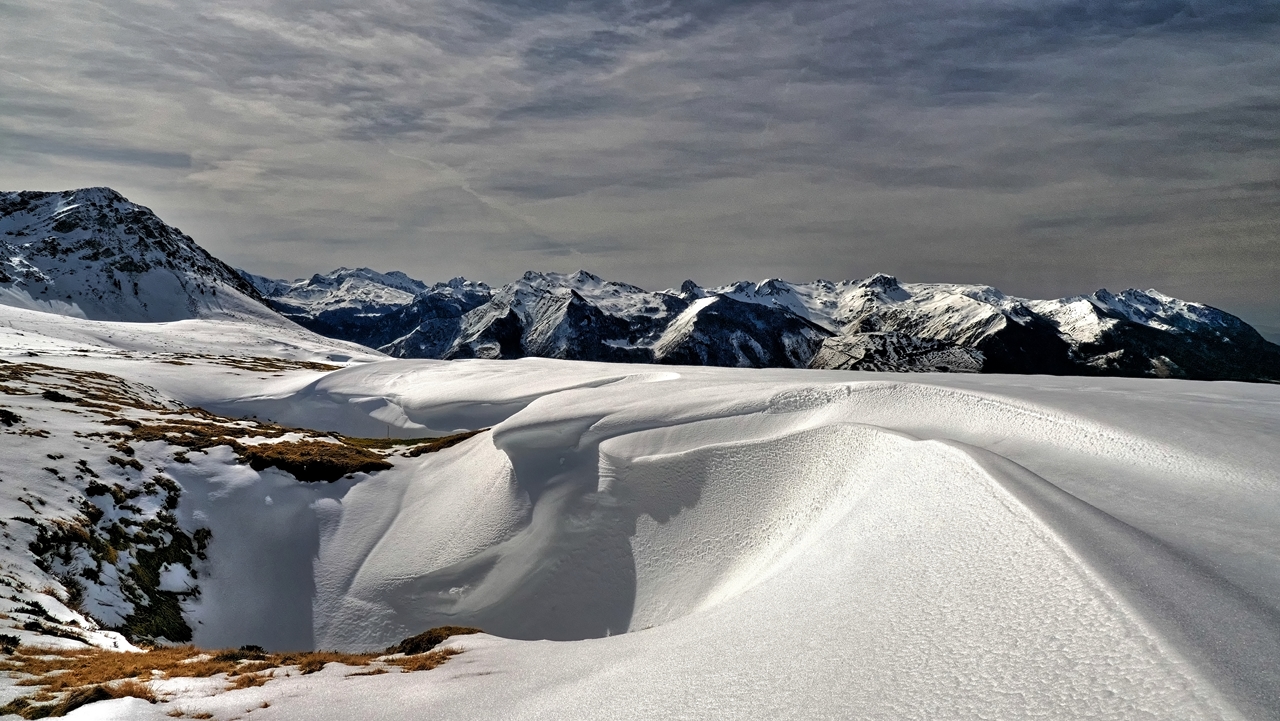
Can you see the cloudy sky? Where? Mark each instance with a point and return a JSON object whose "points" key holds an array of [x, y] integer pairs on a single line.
{"points": [[1047, 147]]}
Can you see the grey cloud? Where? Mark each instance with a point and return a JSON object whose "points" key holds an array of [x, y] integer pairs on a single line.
{"points": [[832, 138], [21, 143]]}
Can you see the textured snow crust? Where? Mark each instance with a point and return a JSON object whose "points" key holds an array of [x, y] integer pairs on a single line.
{"points": [[691, 542]]}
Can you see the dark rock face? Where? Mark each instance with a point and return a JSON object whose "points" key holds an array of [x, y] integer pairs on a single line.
{"points": [[721, 331], [426, 328], [895, 352], [568, 326], [493, 331], [1029, 346]]}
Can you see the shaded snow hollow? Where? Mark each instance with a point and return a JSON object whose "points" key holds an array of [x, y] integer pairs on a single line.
{"points": [[712, 543]]}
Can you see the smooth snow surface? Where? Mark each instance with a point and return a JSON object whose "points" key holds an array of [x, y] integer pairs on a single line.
{"points": [[726, 543]]}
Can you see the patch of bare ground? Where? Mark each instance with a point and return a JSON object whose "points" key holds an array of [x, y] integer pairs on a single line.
{"points": [[413, 447], [260, 364], [312, 457], [65, 680]]}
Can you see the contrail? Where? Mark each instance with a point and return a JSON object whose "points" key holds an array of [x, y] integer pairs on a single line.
{"points": [[33, 82], [461, 181]]}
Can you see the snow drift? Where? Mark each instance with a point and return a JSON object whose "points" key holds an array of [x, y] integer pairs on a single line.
{"points": [[791, 544]]}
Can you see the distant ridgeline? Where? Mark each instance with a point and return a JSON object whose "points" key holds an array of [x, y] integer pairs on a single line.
{"points": [[92, 253], [873, 324]]}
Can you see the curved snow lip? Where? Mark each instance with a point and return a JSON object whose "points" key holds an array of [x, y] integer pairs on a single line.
{"points": [[593, 465]]}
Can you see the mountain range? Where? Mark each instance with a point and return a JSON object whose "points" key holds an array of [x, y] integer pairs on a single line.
{"points": [[92, 253], [876, 323]]}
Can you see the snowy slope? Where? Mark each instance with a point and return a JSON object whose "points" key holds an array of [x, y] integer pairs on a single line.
{"points": [[739, 543], [91, 253], [945, 548]]}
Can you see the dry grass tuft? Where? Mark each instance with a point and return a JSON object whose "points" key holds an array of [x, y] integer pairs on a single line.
{"points": [[428, 640], [134, 688], [67, 679], [248, 680], [425, 661], [310, 460]]}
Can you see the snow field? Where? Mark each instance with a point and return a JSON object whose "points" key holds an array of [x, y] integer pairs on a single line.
{"points": [[711, 543]]}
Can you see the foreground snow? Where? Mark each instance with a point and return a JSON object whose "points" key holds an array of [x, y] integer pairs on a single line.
{"points": [[710, 543]]}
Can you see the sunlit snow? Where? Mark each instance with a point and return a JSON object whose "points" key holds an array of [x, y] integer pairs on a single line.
{"points": [[719, 543]]}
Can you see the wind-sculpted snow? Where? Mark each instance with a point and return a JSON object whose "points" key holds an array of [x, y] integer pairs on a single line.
{"points": [[738, 543], [872, 549]]}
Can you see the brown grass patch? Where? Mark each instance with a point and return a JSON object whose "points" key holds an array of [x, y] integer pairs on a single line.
{"points": [[35, 707], [439, 444], [428, 640], [416, 446], [310, 460], [425, 661], [248, 680], [56, 670], [68, 679], [262, 364], [65, 679], [316, 458]]}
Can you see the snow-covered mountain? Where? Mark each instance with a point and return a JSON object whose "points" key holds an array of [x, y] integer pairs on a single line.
{"points": [[877, 323], [93, 254], [1133, 333], [577, 316]]}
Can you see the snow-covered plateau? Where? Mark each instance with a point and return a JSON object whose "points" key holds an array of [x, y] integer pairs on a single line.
{"points": [[639, 541]]}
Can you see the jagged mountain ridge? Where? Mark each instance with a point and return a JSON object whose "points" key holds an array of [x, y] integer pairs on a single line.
{"points": [[92, 253], [374, 309], [876, 323]]}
